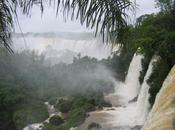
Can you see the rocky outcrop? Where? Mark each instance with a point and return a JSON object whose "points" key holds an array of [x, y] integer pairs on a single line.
{"points": [[162, 115]]}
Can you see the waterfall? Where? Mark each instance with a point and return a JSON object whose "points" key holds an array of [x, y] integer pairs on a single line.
{"points": [[57, 46], [132, 78], [131, 99], [142, 102], [130, 88], [124, 115]]}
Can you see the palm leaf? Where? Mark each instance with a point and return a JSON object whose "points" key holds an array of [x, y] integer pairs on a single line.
{"points": [[108, 17]]}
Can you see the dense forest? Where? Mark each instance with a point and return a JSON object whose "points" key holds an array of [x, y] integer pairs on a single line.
{"points": [[27, 82]]}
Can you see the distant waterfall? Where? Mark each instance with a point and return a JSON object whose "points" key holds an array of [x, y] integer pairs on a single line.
{"points": [[142, 102]]}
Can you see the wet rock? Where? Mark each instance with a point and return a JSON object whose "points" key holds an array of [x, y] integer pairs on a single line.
{"points": [[138, 127], [133, 100], [56, 120], [94, 126]]}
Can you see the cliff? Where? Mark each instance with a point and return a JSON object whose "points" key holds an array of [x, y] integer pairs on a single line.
{"points": [[162, 115]]}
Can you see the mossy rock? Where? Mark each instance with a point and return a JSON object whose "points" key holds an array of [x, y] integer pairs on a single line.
{"points": [[64, 106], [56, 120]]}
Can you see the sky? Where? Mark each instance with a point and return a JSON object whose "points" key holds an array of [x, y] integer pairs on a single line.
{"points": [[48, 22]]}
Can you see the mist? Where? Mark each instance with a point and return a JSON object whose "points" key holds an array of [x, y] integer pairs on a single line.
{"points": [[66, 60], [62, 46], [40, 70], [46, 67]]}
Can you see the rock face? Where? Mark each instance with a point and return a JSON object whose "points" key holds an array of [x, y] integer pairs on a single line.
{"points": [[162, 115]]}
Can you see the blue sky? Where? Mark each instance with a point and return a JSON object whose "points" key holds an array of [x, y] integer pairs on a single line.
{"points": [[49, 23]]}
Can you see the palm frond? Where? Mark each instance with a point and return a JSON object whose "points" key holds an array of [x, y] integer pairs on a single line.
{"points": [[108, 17], [6, 22]]}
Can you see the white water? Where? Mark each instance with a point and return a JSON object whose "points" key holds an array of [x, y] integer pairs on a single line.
{"points": [[132, 114], [130, 88], [132, 82], [124, 116], [142, 102]]}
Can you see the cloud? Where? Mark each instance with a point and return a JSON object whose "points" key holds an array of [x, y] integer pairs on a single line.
{"points": [[145, 7]]}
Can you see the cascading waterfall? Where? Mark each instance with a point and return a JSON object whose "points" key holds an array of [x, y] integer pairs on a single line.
{"points": [[132, 114], [123, 117], [132, 77], [142, 102], [130, 88]]}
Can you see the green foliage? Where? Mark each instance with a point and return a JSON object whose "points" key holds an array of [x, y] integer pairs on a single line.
{"points": [[25, 84], [29, 113], [76, 117], [160, 71], [119, 63], [18, 108], [10, 95], [48, 126], [84, 104], [81, 104], [52, 101], [164, 46], [154, 35], [165, 5], [145, 63]]}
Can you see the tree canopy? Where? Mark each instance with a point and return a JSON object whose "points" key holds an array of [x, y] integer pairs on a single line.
{"points": [[165, 5]]}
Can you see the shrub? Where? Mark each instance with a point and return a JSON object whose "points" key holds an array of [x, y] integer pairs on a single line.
{"points": [[48, 126], [160, 71], [30, 113]]}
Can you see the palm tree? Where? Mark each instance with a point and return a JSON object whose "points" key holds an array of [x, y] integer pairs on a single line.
{"points": [[108, 17], [6, 22]]}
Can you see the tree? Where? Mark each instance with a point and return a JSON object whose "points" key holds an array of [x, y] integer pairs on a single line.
{"points": [[107, 16], [165, 5]]}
